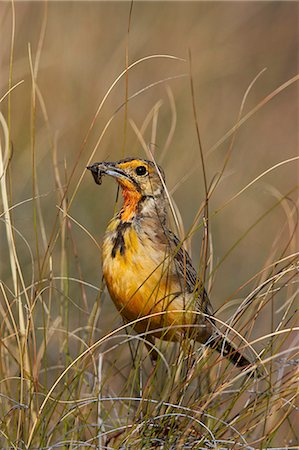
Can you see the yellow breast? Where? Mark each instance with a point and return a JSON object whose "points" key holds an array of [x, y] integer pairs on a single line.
{"points": [[141, 279]]}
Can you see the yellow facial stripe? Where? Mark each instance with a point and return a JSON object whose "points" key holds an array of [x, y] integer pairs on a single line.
{"points": [[131, 165], [126, 184]]}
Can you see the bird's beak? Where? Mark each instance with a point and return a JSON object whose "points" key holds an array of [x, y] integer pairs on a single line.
{"points": [[106, 168]]}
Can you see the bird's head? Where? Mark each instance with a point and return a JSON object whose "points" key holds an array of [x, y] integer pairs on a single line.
{"points": [[134, 175], [139, 179]]}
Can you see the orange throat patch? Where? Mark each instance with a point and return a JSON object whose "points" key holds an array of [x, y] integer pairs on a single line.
{"points": [[131, 200]]}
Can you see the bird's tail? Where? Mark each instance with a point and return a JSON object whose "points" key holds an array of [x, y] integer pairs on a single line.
{"points": [[225, 348]]}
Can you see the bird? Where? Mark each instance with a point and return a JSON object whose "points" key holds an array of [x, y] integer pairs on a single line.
{"points": [[148, 273]]}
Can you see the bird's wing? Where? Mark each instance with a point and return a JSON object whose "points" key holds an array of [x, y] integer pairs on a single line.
{"points": [[188, 274]]}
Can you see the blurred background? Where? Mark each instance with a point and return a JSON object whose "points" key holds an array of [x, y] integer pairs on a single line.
{"points": [[77, 50], [83, 50]]}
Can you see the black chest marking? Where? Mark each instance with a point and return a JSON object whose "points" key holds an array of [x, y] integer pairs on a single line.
{"points": [[119, 241]]}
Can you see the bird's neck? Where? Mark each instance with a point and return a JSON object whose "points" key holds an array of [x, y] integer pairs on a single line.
{"points": [[131, 204], [138, 206]]}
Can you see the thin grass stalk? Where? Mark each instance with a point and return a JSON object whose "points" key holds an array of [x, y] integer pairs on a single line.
{"points": [[172, 126], [126, 82], [11, 59], [15, 268], [205, 240]]}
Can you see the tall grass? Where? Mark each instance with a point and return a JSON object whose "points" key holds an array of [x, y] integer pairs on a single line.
{"points": [[72, 374]]}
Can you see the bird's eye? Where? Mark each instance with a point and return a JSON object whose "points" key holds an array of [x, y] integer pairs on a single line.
{"points": [[140, 170]]}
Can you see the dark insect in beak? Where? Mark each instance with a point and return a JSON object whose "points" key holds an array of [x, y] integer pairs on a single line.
{"points": [[97, 173]]}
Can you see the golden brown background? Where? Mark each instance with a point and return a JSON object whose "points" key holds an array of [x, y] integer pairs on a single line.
{"points": [[82, 53], [78, 49]]}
